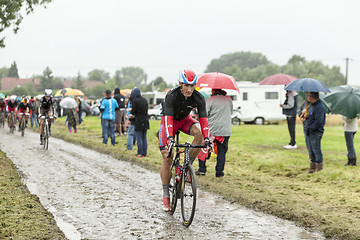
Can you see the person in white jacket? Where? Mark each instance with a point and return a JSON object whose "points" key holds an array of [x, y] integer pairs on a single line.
{"points": [[350, 128]]}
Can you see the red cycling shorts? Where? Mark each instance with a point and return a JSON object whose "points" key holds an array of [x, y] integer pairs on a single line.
{"points": [[11, 109], [22, 110], [183, 125]]}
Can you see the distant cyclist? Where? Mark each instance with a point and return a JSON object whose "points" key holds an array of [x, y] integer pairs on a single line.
{"points": [[24, 108], [46, 106], [11, 107], [178, 104], [2, 105]]}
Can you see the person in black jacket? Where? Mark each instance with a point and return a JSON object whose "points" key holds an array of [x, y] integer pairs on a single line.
{"points": [[289, 109], [139, 109], [120, 114]]}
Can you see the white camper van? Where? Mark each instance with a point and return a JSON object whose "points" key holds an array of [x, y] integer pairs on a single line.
{"points": [[258, 103], [154, 98]]}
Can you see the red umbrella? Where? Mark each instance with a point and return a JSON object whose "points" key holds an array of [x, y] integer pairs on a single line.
{"points": [[216, 80], [278, 79]]}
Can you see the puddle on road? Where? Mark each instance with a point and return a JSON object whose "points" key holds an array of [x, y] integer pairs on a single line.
{"points": [[94, 196]]}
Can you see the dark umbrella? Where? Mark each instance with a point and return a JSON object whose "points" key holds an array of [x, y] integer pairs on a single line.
{"points": [[307, 85], [278, 79], [344, 100]]}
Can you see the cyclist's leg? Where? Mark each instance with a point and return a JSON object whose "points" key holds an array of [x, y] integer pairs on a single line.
{"points": [[20, 118], [42, 118], [165, 171]]}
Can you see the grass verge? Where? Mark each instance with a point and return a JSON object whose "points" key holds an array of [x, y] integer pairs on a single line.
{"points": [[21, 214]]}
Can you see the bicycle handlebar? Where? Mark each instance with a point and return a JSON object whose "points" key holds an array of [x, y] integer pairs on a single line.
{"points": [[187, 145]]}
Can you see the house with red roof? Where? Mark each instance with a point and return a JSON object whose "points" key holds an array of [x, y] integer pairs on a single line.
{"points": [[8, 83]]}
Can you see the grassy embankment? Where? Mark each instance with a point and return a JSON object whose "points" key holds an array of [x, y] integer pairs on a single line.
{"points": [[21, 214], [262, 175]]}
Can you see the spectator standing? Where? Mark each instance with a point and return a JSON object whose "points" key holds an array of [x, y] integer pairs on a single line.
{"points": [[139, 109], [108, 106], [121, 113], [78, 100], [314, 130], [350, 128], [289, 110], [219, 108], [33, 115], [131, 138], [71, 119]]}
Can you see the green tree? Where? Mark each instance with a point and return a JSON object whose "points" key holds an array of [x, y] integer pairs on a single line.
{"points": [[96, 91], [301, 68], [11, 16], [47, 80], [146, 87], [127, 75], [161, 87], [296, 59], [98, 75], [78, 82], [13, 71], [238, 59], [158, 81], [19, 91], [4, 71]]}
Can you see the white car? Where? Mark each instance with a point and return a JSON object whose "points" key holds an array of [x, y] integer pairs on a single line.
{"points": [[155, 113]]}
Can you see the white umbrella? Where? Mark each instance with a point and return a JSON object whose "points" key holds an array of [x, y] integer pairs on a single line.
{"points": [[68, 103]]}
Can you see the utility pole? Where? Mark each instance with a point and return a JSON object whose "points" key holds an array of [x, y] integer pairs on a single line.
{"points": [[347, 69]]}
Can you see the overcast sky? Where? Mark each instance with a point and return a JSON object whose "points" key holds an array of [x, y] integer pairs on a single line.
{"points": [[165, 36]]}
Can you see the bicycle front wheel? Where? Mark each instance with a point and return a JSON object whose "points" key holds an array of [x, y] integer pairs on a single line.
{"points": [[188, 195], [173, 189], [12, 124], [46, 137], [23, 126]]}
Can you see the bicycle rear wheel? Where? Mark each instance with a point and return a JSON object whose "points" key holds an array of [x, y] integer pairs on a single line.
{"points": [[188, 195], [173, 189]]}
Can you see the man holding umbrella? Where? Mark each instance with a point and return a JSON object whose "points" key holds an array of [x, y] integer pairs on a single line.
{"points": [[313, 117], [314, 130]]}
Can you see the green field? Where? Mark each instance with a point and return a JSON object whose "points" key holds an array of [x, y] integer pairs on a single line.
{"points": [[260, 174]]}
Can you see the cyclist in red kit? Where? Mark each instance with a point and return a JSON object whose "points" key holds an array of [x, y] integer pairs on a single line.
{"points": [[178, 104]]}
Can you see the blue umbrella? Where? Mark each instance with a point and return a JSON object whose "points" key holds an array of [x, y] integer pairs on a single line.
{"points": [[307, 85]]}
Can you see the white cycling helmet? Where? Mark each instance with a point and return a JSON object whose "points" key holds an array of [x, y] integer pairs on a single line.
{"points": [[12, 98], [48, 92], [188, 77]]}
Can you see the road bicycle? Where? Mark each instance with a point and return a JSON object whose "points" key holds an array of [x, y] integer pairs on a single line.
{"points": [[2, 119], [12, 122], [183, 182], [46, 132], [23, 124]]}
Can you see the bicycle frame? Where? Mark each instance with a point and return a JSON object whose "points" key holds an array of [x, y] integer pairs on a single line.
{"points": [[187, 176]]}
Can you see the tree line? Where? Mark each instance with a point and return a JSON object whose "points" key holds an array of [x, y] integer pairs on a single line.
{"points": [[244, 66]]}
